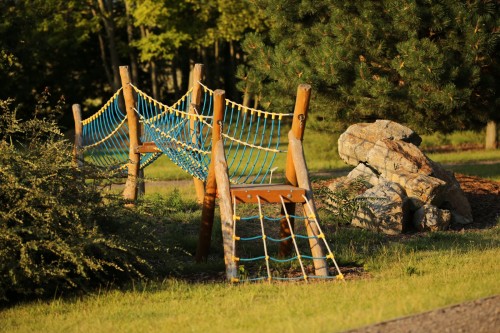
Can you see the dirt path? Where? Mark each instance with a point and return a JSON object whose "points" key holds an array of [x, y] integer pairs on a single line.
{"points": [[481, 316]]}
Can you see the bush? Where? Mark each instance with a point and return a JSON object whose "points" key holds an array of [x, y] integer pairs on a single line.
{"points": [[52, 220]]}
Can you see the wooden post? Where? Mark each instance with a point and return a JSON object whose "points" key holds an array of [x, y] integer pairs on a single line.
{"points": [[207, 216], [77, 149], [491, 135], [298, 128], [194, 108], [130, 191], [226, 209], [299, 162]]}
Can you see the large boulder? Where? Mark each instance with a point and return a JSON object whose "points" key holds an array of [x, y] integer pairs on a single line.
{"points": [[385, 153], [355, 143], [383, 209], [425, 181]]}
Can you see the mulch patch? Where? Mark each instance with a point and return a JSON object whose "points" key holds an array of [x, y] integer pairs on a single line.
{"points": [[484, 198]]}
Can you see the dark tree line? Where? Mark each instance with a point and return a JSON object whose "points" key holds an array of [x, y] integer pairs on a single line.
{"points": [[432, 64]]}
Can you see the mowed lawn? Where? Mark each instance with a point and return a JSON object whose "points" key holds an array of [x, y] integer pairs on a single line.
{"points": [[401, 278]]}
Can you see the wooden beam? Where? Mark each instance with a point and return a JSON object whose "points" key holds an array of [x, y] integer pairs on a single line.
{"points": [[299, 162], [268, 193], [226, 209], [147, 147], [298, 128], [130, 191], [207, 215], [77, 148]]}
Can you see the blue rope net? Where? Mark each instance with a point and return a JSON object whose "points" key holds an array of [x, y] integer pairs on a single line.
{"points": [[106, 137], [255, 249], [182, 132]]}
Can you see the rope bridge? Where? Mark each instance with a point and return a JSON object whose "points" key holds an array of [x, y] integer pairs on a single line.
{"points": [[252, 137], [227, 147]]}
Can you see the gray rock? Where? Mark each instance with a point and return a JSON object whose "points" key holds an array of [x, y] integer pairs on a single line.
{"points": [[425, 181], [355, 143], [383, 209], [431, 218]]}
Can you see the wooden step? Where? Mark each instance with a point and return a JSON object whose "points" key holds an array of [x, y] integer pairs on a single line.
{"points": [[268, 193]]}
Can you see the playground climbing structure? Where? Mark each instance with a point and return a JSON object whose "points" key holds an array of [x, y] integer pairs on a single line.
{"points": [[230, 151]]}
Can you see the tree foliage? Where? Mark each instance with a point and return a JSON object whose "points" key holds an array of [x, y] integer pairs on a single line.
{"points": [[431, 64]]}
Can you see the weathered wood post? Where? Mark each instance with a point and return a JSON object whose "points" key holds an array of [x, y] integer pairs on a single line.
{"points": [[77, 149], [298, 128], [207, 217], [302, 176], [194, 108], [130, 191], [226, 209]]}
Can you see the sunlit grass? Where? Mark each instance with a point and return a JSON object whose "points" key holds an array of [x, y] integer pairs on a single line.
{"points": [[405, 277], [454, 138]]}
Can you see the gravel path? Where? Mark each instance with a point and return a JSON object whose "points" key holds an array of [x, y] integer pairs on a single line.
{"points": [[481, 316]]}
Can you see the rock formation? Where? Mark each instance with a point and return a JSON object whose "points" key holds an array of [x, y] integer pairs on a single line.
{"points": [[409, 190]]}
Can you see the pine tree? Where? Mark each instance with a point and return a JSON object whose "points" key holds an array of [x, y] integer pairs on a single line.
{"points": [[431, 64]]}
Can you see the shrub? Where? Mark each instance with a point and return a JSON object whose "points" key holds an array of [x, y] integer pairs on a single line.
{"points": [[52, 220], [342, 203]]}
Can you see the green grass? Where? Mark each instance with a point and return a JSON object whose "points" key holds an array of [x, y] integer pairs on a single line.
{"points": [[489, 171], [466, 156], [455, 138], [405, 277]]}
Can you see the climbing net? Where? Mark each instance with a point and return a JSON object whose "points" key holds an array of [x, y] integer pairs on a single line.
{"points": [[252, 141], [183, 133], [106, 137], [180, 133], [298, 257]]}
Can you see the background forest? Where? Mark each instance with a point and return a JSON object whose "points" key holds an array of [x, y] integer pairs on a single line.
{"points": [[432, 64]]}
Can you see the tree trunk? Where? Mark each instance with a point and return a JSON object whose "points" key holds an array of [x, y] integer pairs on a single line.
{"points": [[154, 79], [217, 63], [106, 11], [102, 48], [175, 81], [130, 37], [491, 135], [247, 96]]}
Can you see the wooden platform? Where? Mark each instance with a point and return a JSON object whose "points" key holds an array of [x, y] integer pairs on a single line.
{"points": [[268, 193]]}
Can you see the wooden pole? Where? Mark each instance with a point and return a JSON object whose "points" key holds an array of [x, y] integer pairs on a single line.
{"points": [[77, 149], [207, 215], [298, 128], [194, 108], [130, 191], [299, 162], [226, 209], [491, 135]]}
